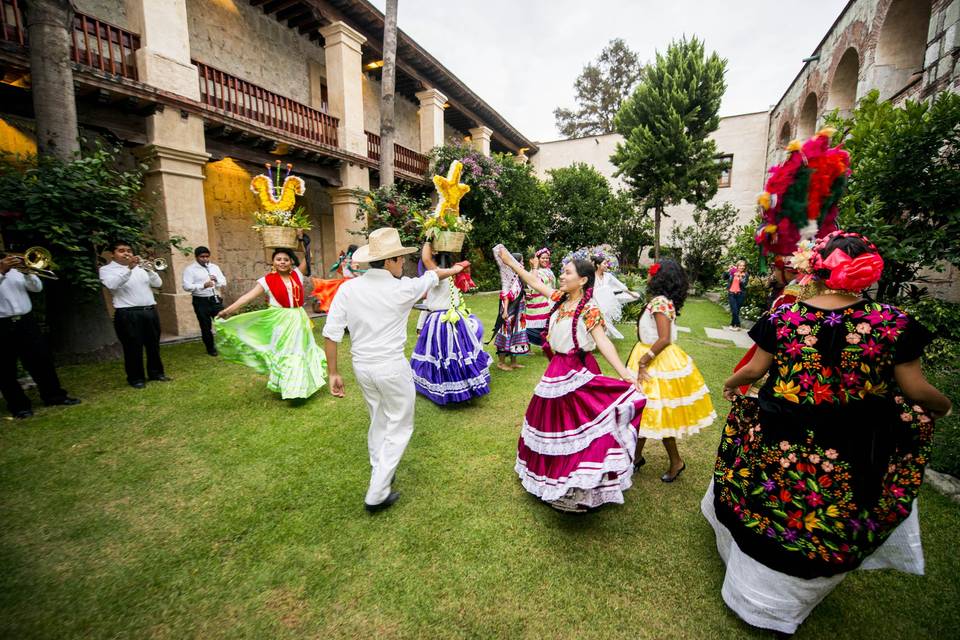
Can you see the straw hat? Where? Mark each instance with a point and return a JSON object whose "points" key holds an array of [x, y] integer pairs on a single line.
{"points": [[383, 243]]}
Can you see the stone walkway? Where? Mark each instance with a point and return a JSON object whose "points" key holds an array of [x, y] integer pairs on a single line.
{"points": [[739, 338]]}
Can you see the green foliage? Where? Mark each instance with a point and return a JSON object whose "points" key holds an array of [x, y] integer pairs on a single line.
{"points": [[702, 243], [75, 209], [298, 219], [744, 246], [601, 88], [757, 300], [392, 206], [582, 209], [904, 191], [667, 156]]}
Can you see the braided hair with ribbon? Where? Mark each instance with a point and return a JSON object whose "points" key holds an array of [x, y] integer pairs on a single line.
{"points": [[584, 269], [846, 261]]}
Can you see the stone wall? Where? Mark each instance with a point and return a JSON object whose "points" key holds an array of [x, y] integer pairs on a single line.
{"points": [[452, 135], [240, 40], [17, 137], [110, 11], [902, 48], [235, 246], [406, 114]]}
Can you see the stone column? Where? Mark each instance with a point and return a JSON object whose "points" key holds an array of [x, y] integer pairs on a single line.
{"points": [[431, 119], [175, 152], [480, 139], [344, 201], [344, 84]]}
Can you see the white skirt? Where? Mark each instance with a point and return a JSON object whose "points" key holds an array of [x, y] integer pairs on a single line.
{"points": [[769, 599]]}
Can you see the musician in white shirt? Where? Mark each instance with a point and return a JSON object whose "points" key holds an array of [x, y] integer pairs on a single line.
{"points": [[205, 281], [135, 316], [375, 308], [20, 339]]}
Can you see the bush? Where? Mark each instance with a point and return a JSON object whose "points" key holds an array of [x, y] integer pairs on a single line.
{"points": [[392, 206], [702, 243]]}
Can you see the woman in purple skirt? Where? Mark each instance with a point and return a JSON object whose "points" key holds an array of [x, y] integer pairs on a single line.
{"points": [[449, 363], [579, 434]]}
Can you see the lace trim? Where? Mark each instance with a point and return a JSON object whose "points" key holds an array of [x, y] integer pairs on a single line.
{"points": [[474, 356], [449, 386], [678, 432], [673, 403], [588, 485], [562, 385], [615, 420]]}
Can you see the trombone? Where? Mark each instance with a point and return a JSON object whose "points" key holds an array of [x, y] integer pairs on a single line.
{"points": [[36, 261]]}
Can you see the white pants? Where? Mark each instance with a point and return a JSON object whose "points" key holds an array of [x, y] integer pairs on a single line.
{"points": [[388, 389]]}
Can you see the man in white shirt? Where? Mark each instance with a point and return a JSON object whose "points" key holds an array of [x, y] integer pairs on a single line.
{"points": [[20, 339], [204, 279], [375, 308], [135, 316]]}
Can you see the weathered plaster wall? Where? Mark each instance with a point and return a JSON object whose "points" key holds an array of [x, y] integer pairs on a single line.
{"points": [[406, 114]]}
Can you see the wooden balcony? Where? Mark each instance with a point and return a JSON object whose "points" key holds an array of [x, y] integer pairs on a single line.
{"points": [[238, 97], [404, 159], [96, 44]]}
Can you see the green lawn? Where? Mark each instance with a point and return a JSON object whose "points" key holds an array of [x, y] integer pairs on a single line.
{"points": [[209, 508]]}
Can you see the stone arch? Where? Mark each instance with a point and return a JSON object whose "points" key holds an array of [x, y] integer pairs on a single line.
{"points": [[843, 87], [903, 35], [807, 123], [784, 137]]}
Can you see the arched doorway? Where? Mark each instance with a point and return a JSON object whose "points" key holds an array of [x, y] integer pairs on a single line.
{"points": [[903, 36], [843, 89], [784, 138], [807, 124]]}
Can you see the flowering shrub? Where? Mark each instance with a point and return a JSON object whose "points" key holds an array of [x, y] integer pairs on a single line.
{"points": [[297, 218], [393, 207]]}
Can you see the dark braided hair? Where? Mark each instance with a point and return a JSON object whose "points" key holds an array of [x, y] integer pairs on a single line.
{"points": [[584, 269], [670, 282]]}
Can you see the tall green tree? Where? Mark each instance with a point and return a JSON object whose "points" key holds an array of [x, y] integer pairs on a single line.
{"points": [[666, 156], [601, 88], [582, 209], [904, 189]]}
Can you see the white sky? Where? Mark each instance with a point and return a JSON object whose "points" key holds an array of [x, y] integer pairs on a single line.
{"points": [[522, 56]]}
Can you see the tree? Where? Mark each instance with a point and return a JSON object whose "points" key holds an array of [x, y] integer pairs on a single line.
{"points": [[49, 25], [702, 244], [387, 85], [582, 210], [601, 87], [666, 156], [904, 189]]}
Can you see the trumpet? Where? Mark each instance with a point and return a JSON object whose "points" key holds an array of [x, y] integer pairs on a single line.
{"points": [[36, 261], [153, 264]]}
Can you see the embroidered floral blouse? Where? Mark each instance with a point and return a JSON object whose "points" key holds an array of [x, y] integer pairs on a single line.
{"points": [[560, 333], [813, 475]]}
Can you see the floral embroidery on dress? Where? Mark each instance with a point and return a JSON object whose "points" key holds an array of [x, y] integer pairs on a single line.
{"points": [[662, 304], [800, 495], [592, 317], [865, 363]]}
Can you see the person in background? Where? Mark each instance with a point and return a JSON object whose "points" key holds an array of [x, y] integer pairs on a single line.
{"points": [[20, 339], [135, 316], [204, 280], [737, 278], [510, 330], [537, 311]]}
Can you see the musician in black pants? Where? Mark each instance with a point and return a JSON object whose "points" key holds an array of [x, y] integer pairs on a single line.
{"points": [[205, 281], [20, 339], [135, 313]]}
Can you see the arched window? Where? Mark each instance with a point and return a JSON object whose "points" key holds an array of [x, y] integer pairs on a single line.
{"points": [[807, 124], [903, 36], [843, 89], [784, 138]]}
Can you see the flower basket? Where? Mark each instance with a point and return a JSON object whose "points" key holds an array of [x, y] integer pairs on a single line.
{"points": [[450, 241], [279, 237]]}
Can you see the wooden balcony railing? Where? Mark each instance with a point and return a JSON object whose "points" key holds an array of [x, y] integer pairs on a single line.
{"points": [[104, 46], [96, 43], [12, 28], [245, 99], [405, 159]]}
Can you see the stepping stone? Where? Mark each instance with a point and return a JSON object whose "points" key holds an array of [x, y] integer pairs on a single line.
{"points": [[739, 338], [683, 329]]}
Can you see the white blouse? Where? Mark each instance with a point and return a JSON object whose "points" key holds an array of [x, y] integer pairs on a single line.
{"points": [[647, 325], [560, 332]]}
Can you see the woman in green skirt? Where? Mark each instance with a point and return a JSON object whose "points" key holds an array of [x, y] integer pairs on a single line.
{"points": [[276, 341]]}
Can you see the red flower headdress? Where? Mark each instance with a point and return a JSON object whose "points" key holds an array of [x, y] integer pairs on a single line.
{"points": [[654, 269], [843, 272]]}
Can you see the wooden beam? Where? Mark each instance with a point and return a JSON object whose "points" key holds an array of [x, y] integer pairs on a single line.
{"points": [[257, 3], [305, 23], [220, 149], [277, 5], [292, 12]]}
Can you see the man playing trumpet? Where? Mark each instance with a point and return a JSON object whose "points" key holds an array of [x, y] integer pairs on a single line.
{"points": [[135, 317], [20, 339]]}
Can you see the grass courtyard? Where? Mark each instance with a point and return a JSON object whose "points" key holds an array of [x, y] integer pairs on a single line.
{"points": [[208, 508]]}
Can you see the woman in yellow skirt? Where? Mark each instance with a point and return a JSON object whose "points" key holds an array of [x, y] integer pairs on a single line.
{"points": [[678, 401]]}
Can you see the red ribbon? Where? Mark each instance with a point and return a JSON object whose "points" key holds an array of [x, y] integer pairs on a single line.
{"points": [[654, 268], [853, 274]]}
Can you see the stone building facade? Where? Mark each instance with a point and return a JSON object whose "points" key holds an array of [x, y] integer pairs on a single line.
{"points": [[207, 91], [740, 139], [904, 49]]}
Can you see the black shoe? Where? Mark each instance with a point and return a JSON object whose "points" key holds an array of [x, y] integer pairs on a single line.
{"points": [[161, 378], [213, 352], [23, 415], [66, 400], [139, 384], [639, 463], [373, 508], [668, 478]]}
